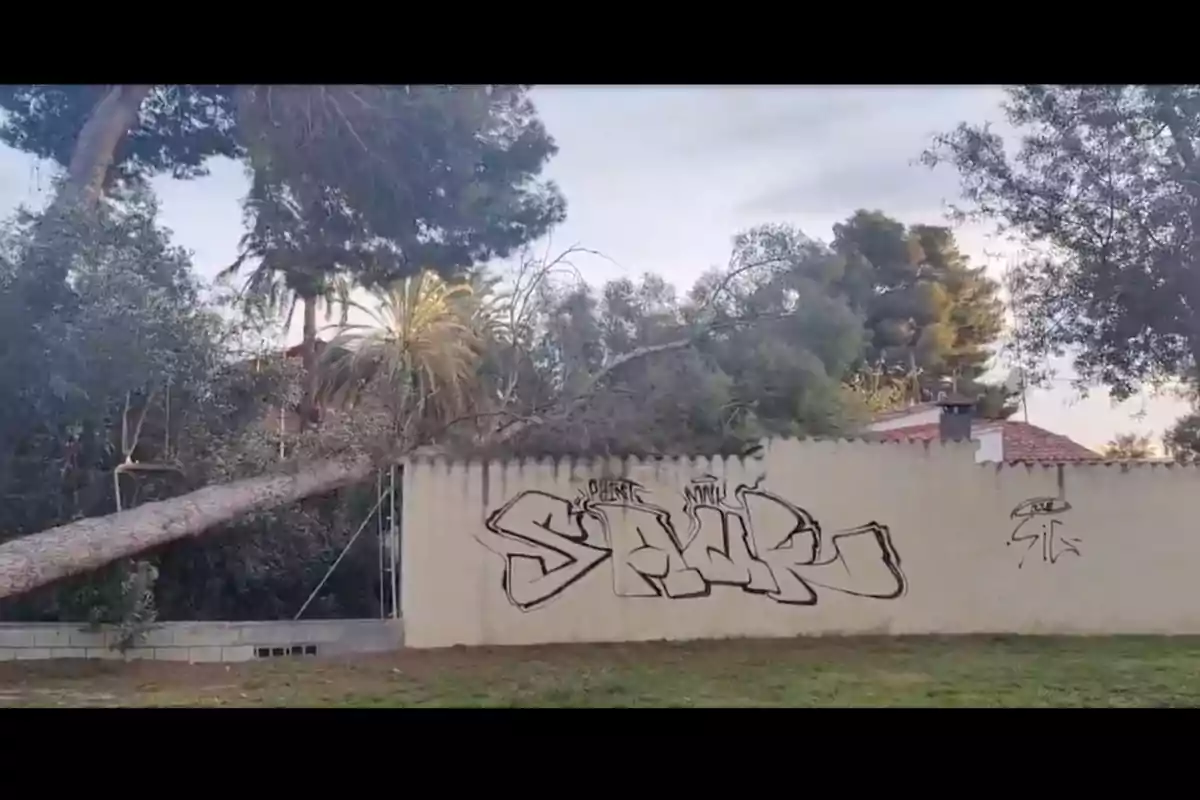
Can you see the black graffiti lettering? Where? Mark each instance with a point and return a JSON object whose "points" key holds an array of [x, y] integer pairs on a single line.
{"points": [[1039, 527], [719, 548], [647, 560], [758, 542], [614, 490], [876, 564], [786, 538], [545, 546], [705, 492]]}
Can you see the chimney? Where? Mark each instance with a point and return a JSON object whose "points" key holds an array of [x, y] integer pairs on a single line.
{"points": [[955, 422]]}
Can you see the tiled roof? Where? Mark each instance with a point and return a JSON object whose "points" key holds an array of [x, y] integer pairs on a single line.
{"points": [[1025, 442], [919, 433], [1022, 441]]}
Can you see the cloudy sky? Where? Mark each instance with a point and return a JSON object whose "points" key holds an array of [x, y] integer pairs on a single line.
{"points": [[660, 179]]}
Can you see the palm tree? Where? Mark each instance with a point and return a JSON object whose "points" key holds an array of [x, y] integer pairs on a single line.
{"points": [[420, 353], [297, 264], [276, 286]]}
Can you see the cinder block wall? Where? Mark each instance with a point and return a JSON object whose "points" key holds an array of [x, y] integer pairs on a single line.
{"points": [[197, 642]]}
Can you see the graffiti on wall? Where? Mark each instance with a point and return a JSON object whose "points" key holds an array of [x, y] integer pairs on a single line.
{"points": [[1041, 531], [749, 538]]}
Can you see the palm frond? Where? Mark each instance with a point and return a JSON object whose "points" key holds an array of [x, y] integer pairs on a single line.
{"points": [[420, 350]]}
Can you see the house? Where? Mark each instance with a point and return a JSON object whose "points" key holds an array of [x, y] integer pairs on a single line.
{"points": [[997, 440]]}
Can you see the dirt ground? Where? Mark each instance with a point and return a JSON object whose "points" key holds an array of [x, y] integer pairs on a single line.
{"points": [[968, 671]]}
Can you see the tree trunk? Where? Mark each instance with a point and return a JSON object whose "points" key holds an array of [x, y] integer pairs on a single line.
{"points": [[41, 558], [95, 149], [32, 561], [308, 351]]}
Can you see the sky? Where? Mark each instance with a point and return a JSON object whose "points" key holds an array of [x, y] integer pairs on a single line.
{"points": [[659, 179]]}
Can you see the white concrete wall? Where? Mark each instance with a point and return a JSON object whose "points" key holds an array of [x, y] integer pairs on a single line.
{"points": [[991, 445], [202, 641], [838, 538], [924, 416]]}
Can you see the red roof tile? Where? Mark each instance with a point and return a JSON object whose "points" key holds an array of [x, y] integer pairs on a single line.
{"points": [[1022, 441], [1025, 442], [920, 433]]}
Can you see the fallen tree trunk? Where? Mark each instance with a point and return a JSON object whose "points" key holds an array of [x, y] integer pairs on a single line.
{"points": [[41, 558]]}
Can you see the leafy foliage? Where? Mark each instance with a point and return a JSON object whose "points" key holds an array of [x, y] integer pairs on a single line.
{"points": [[1129, 447], [123, 365], [932, 317], [386, 181], [181, 126], [419, 352], [1182, 440], [136, 341], [379, 183], [756, 349], [1107, 177]]}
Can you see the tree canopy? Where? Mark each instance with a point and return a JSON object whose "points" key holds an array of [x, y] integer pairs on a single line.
{"points": [[1129, 447], [932, 318], [409, 193], [1106, 177], [179, 127]]}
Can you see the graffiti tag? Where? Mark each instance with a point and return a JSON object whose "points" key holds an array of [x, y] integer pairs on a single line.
{"points": [[751, 539]]}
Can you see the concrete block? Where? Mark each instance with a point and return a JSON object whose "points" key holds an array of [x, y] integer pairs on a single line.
{"points": [[204, 654], [157, 636], [103, 653], [112, 638], [33, 653], [237, 652], [68, 652], [199, 641], [85, 637], [269, 634], [323, 632], [139, 654], [204, 634], [52, 636], [13, 636]]}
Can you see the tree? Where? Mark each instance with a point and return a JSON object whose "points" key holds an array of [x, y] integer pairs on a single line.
{"points": [[370, 183], [579, 389], [754, 350], [1129, 447], [419, 353], [374, 181], [1182, 440], [377, 183], [1107, 178], [418, 166], [997, 402], [932, 318], [96, 392], [106, 137], [112, 135]]}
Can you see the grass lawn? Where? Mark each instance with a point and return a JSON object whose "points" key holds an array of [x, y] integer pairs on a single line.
{"points": [[967, 671]]}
